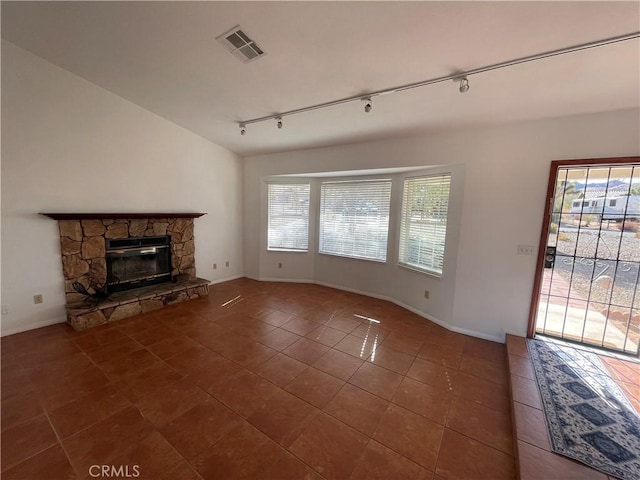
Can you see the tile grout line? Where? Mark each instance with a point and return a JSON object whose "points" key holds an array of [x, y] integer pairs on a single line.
{"points": [[390, 401], [58, 442], [64, 450]]}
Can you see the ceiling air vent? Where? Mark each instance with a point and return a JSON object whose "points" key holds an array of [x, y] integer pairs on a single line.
{"points": [[239, 43]]}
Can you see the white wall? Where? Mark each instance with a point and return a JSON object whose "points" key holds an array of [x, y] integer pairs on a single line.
{"points": [[69, 146], [384, 280], [504, 170]]}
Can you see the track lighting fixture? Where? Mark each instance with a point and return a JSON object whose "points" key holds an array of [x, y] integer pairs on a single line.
{"points": [[462, 77], [464, 85], [367, 104]]}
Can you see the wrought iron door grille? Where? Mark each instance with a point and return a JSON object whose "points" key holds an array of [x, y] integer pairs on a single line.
{"points": [[589, 292]]}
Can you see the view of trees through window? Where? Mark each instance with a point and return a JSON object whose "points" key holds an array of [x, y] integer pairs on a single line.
{"points": [[423, 229], [354, 218], [288, 217]]}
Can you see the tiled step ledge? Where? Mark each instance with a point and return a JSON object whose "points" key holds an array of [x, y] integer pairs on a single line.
{"points": [[84, 315], [534, 457]]}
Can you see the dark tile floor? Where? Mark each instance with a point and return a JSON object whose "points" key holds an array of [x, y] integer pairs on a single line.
{"points": [[627, 375], [259, 381], [536, 460]]}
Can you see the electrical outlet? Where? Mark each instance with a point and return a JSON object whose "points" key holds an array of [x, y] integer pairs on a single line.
{"points": [[279, 264], [426, 294], [37, 299], [5, 309], [227, 263], [526, 249], [215, 265]]}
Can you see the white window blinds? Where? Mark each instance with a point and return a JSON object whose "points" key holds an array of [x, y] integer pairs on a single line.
{"points": [[423, 228], [354, 219], [288, 217]]}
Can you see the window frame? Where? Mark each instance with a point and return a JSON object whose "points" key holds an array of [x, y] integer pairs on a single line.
{"points": [[284, 183], [391, 179], [401, 219]]}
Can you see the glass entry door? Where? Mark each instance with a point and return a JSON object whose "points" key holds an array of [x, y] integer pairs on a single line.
{"points": [[587, 278]]}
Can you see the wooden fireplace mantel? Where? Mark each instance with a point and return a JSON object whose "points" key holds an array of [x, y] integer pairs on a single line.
{"points": [[95, 216]]}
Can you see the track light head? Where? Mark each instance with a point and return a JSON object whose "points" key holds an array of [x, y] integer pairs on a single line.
{"points": [[464, 85], [458, 76], [367, 104], [243, 129], [279, 120]]}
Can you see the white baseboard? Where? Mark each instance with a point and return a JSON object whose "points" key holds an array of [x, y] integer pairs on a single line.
{"points": [[464, 331], [443, 324], [285, 280], [228, 279], [521, 333], [31, 326]]}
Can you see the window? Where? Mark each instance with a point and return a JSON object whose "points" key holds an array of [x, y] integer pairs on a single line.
{"points": [[354, 219], [288, 217], [423, 227]]}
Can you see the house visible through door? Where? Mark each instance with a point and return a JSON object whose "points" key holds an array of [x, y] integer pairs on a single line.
{"points": [[589, 263]]}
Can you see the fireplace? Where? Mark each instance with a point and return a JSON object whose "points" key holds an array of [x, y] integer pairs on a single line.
{"points": [[135, 255], [137, 262]]}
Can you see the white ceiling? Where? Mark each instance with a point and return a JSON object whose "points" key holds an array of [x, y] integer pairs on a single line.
{"points": [[164, 57]]}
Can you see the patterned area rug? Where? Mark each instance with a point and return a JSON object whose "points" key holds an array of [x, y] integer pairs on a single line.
{"points": [[589, 418]]}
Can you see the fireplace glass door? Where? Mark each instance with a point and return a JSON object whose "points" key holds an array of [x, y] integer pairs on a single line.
{"points": [[138, 262]]}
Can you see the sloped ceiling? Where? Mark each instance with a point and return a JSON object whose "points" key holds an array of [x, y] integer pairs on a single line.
{"points": [[164, 57]]}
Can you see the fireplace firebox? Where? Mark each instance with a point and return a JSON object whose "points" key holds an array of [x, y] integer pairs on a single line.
{"points": [[137, 262]]}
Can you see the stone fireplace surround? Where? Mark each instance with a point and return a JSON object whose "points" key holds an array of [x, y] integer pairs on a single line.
{"points": [[82, 246]]}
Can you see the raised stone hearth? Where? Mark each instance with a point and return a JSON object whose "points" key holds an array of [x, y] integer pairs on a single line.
{"points": [[87, 314], [82, 245]]}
